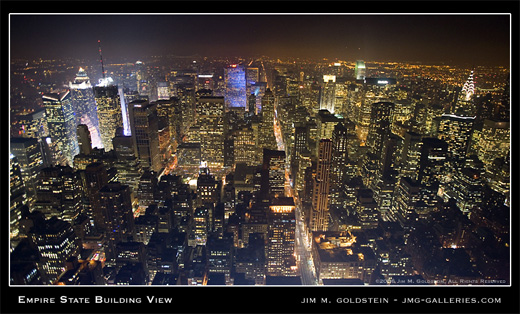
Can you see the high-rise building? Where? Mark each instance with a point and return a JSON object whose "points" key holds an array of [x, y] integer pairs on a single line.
{"points": [[273, 173], [434, 161], [328, 93], [280, 238], [30, 161], [266, 131], [360, 70], [235, 77], [61, 124], [494, 141], [456, 131], [84, 104], [56, 243], [210, 119], [465, 104], [17, 196], [116, 205], [109, 112], [145, 134], [320, 196], [58, 193]]}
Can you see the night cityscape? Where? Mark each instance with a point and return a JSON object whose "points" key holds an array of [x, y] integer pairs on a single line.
{"points": [[259, 150]]}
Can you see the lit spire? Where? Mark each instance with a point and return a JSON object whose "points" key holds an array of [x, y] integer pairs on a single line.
{"points": [[469, 88]]}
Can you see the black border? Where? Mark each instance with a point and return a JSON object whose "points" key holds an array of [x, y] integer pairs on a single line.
{"points": [[269, 299]]}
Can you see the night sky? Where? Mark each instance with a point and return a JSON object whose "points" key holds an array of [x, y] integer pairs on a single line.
{"points": [[453, 39]]}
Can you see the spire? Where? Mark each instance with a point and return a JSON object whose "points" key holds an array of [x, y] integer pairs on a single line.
{"points": [[469, 87], [101, 59]]}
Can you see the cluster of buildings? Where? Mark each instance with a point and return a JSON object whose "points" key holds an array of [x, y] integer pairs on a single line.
{"points": [[234, 175]]}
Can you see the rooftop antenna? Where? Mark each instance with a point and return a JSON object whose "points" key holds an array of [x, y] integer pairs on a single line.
{"points": [[101, 59]]}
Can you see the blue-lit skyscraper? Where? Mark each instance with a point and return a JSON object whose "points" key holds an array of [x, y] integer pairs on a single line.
{"points": [[235, 86]]}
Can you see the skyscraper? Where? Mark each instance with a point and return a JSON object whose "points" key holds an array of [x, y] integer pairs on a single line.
{"points": [[84, 104], [320, 195], [61, 124], [210, 119], [273, 173], [280, 237], [109, 112], [235, 77], [144, 127], [30, 161], [360, 70]]}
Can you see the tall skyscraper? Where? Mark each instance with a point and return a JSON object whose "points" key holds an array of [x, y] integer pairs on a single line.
{"points": [[145, 133], [235, 77], [465, 105], [210, 119], [61, 124], [266, 129], [30, 161], [280, 237], [328, 93], [320, 195], [109, 112], [360, 70], [84, 105], [456, 131], [273, 173], [56, 243]]}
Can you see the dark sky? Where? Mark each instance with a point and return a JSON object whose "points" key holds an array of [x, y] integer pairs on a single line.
{"points": [[473, 39]]}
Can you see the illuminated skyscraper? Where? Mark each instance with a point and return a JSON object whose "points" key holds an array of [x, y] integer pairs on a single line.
{"points": [[235, 77], [320, 195], [61, 124], [144, 127], [56, 243], [273, 173], [328, 93], [30, 161], [266, 131], [84, 104], [280, 238], [456, 131], [360, 70], [109, 112], [465, 105], [210, 112], [494, 141], [17, 196]]}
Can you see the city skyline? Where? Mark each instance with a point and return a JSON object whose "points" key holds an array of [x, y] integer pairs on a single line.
{"points": [[446, 38], [261, 149]]}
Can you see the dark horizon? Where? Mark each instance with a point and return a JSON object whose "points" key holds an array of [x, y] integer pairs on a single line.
{"points": [[453, 39]]}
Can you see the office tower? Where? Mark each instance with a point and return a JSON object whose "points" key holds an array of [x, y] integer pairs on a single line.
{"points": [[251, 105], [273, 173], [58, 193], [410, 155], [128, 167], [325, 122], [208, 193], [235, 77], [407, 194], [320, 195], [434, 162], [116, 206], [147, 189], [456, 131], [360, 70], [367, 209], [145, 134], [96, 177], [381, 118], [465, 105], [328, 93], [109, 112], [56, 243], [84, 104], [163, 91], [84, 139], [494, 141], [245, 147], [210, 119], [339, 162], [61, 124], [30, 161], [280, 237], [32, 125], [266, 131], [17, 196], [466, 188], [301, 135]]}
